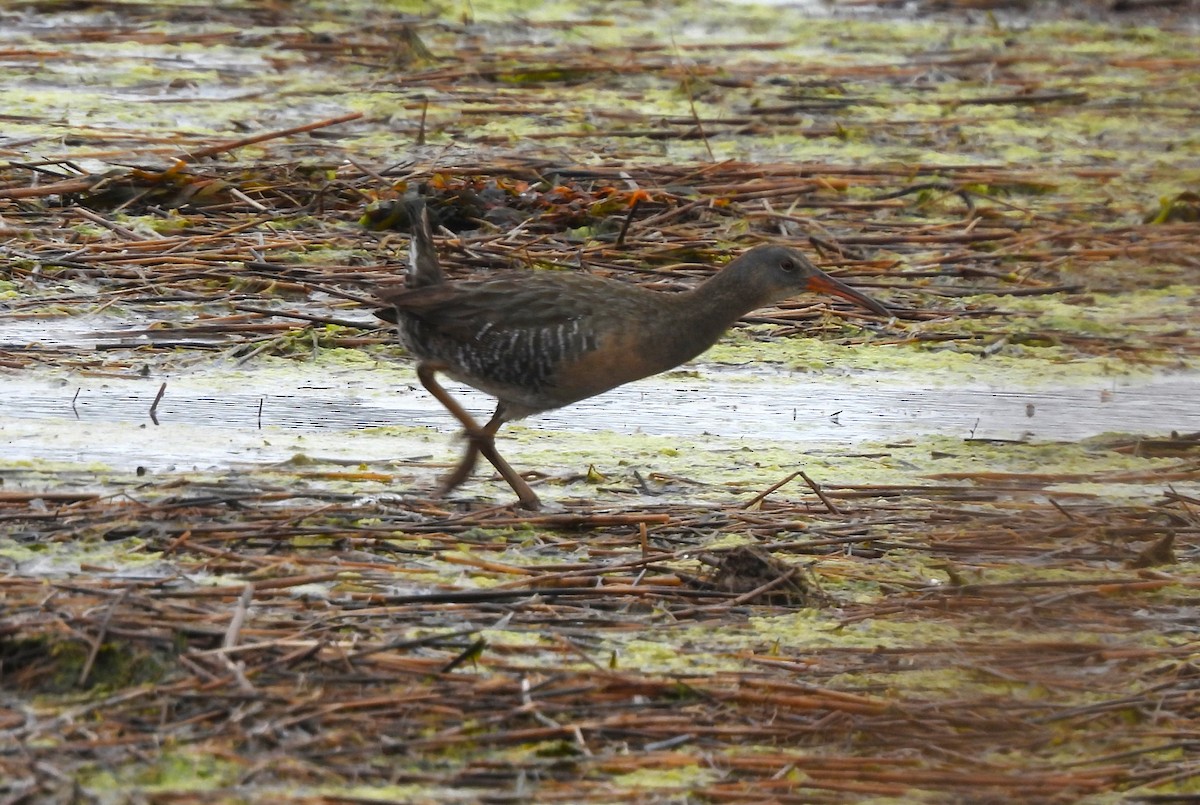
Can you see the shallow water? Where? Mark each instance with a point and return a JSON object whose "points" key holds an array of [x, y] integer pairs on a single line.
{"points": [[214, 418], [221, 415]]}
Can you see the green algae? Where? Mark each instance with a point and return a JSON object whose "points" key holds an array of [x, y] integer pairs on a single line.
{"points": [[677, 779], [97, 549], [172, 771], [1131, 319], [727, 466], [113, 665], [815, 45], [688, 653]]}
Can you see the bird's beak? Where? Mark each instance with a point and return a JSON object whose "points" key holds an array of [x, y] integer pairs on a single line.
{"points": [[820, 282]]}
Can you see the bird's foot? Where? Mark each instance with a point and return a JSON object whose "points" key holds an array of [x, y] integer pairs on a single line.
{"points": [[482, 442], [527, 499]]}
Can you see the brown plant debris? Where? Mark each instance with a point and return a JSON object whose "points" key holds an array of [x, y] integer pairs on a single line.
{"points": [[343, 644]]}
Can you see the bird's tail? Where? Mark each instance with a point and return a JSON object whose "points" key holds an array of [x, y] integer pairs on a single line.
{"points": [[423, 265]]}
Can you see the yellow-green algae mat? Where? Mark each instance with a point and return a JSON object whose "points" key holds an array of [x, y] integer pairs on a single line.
{"points": [[959, 617]]}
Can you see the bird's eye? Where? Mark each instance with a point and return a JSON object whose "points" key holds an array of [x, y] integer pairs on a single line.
{"points": [[787, 264]]}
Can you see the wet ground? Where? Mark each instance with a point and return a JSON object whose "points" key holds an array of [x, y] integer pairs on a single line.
{"points": [[229, 415], [213, 415]]}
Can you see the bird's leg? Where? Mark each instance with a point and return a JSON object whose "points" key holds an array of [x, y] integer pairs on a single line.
{"points": [[479, 440], [485, 442], [426, 374]]}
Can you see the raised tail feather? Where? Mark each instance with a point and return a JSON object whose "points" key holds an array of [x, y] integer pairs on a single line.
{"points": [[423, 265]]}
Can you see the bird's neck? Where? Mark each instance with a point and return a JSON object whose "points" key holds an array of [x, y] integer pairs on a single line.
{"points": [[706, 312], [725, 297]]}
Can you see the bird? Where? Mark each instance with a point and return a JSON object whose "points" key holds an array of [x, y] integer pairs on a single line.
{"points": [[540, 340]]}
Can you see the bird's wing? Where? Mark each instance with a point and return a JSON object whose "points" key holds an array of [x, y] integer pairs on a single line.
{"points": [[525, 301]]}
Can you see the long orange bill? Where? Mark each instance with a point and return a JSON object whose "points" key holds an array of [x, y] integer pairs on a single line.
{"points": [[821, 282]]}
